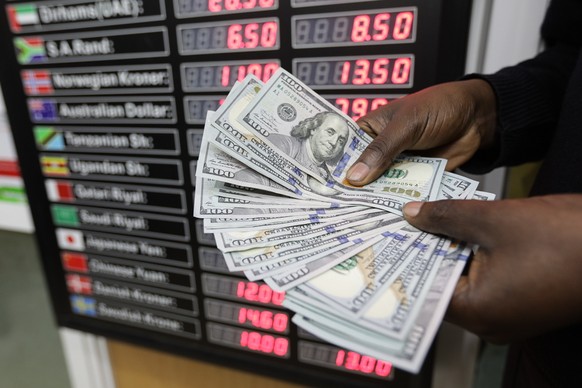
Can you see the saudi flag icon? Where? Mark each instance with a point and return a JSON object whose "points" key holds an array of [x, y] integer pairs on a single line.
{"points": [[70, 239], [65, 215]]}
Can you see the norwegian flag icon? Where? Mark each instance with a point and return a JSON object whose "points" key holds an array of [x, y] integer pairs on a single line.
{"points": [[37, 82]]}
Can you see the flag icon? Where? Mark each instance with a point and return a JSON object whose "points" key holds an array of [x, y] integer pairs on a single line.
{"points": [[30, 50], [65, 215], [83, 305], [37, 82], [59, 191], [49, 139], [54, 165], [70, 239], [42, 109], [78, 284], [74, 262], [21, 16]]}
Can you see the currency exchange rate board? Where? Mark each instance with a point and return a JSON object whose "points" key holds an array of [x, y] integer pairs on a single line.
{"points": [[107, 100]]}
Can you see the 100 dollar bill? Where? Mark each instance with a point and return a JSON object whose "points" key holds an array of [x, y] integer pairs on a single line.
{"points": [[323, 142]]}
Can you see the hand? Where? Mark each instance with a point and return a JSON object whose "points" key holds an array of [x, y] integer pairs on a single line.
{"points": [[525, 277], [451, 121]]}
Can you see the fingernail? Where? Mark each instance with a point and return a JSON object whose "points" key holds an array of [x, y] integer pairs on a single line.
{"points": [[358, 172], [411, 209]]}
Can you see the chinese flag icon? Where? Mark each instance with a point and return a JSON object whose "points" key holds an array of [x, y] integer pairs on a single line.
{"points": [[74, 262]]}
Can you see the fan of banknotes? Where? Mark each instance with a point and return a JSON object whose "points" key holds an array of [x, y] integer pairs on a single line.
{"points": [[271, 187]]}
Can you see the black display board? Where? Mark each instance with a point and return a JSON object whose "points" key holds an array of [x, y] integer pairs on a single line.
{"points": [[106, 100]]}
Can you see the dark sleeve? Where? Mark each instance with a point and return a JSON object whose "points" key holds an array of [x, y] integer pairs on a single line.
{"points": [[529, 94]]}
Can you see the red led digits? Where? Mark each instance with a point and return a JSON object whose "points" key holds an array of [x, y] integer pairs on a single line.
{"points": [[375, 27], [263, 319], [377, 72], [376, 103], [401, 71], [365, 364], [361, 72], [224, 75], [360, 28], [264, 343], [262, 71], [261, 293], [252, 35], [380, 71], [358, 107], [380, 29], [403, 25], [366, 28], [235, 5], [371, 72]]}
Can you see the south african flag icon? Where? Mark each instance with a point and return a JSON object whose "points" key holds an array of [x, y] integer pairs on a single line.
{"points": [[30, 50]]}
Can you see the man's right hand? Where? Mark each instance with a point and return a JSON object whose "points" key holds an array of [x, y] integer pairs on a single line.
{"points": [[451, 120]]}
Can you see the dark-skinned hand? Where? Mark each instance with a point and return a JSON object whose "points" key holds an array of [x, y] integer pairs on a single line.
{"points": [[525, 277], [451, 121]]}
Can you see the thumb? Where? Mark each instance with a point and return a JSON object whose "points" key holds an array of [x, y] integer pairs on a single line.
{"points": [[380, 153], [467, 220]]}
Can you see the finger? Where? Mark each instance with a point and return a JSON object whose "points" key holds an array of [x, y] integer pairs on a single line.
{"points": [[378, 156], [472, 221]]}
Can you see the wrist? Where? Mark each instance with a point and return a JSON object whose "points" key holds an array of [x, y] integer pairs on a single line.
{"points": [[484, 110]]}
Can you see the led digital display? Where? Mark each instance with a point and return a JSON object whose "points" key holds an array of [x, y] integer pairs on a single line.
{"points": [[212, 259], [196, 107], [312, 3], [336, 358], [227, 36], [363, 72], [240, 289], [249, 340], [246, 315], [213, 76], [385, 26], [357, 106], [197, 8]]}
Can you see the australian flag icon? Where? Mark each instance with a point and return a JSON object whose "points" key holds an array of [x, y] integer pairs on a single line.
{"points": [[43, 110]]}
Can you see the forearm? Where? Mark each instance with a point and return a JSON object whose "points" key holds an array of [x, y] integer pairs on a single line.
{"points": [[529, 95]]}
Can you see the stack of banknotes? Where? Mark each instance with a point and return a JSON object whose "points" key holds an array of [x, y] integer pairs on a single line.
{"points": [[271, 187]]}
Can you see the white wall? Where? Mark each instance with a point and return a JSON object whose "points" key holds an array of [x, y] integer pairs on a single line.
{"points": [[13, 215], [508, 33]]}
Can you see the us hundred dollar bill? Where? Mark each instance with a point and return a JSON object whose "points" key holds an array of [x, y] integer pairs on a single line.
{"points": [[205, 206], [360, 284], [226, 133], [315, 216], [407, 354], [242, 239], [324, 143], [311, 248], [214, 163]]}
